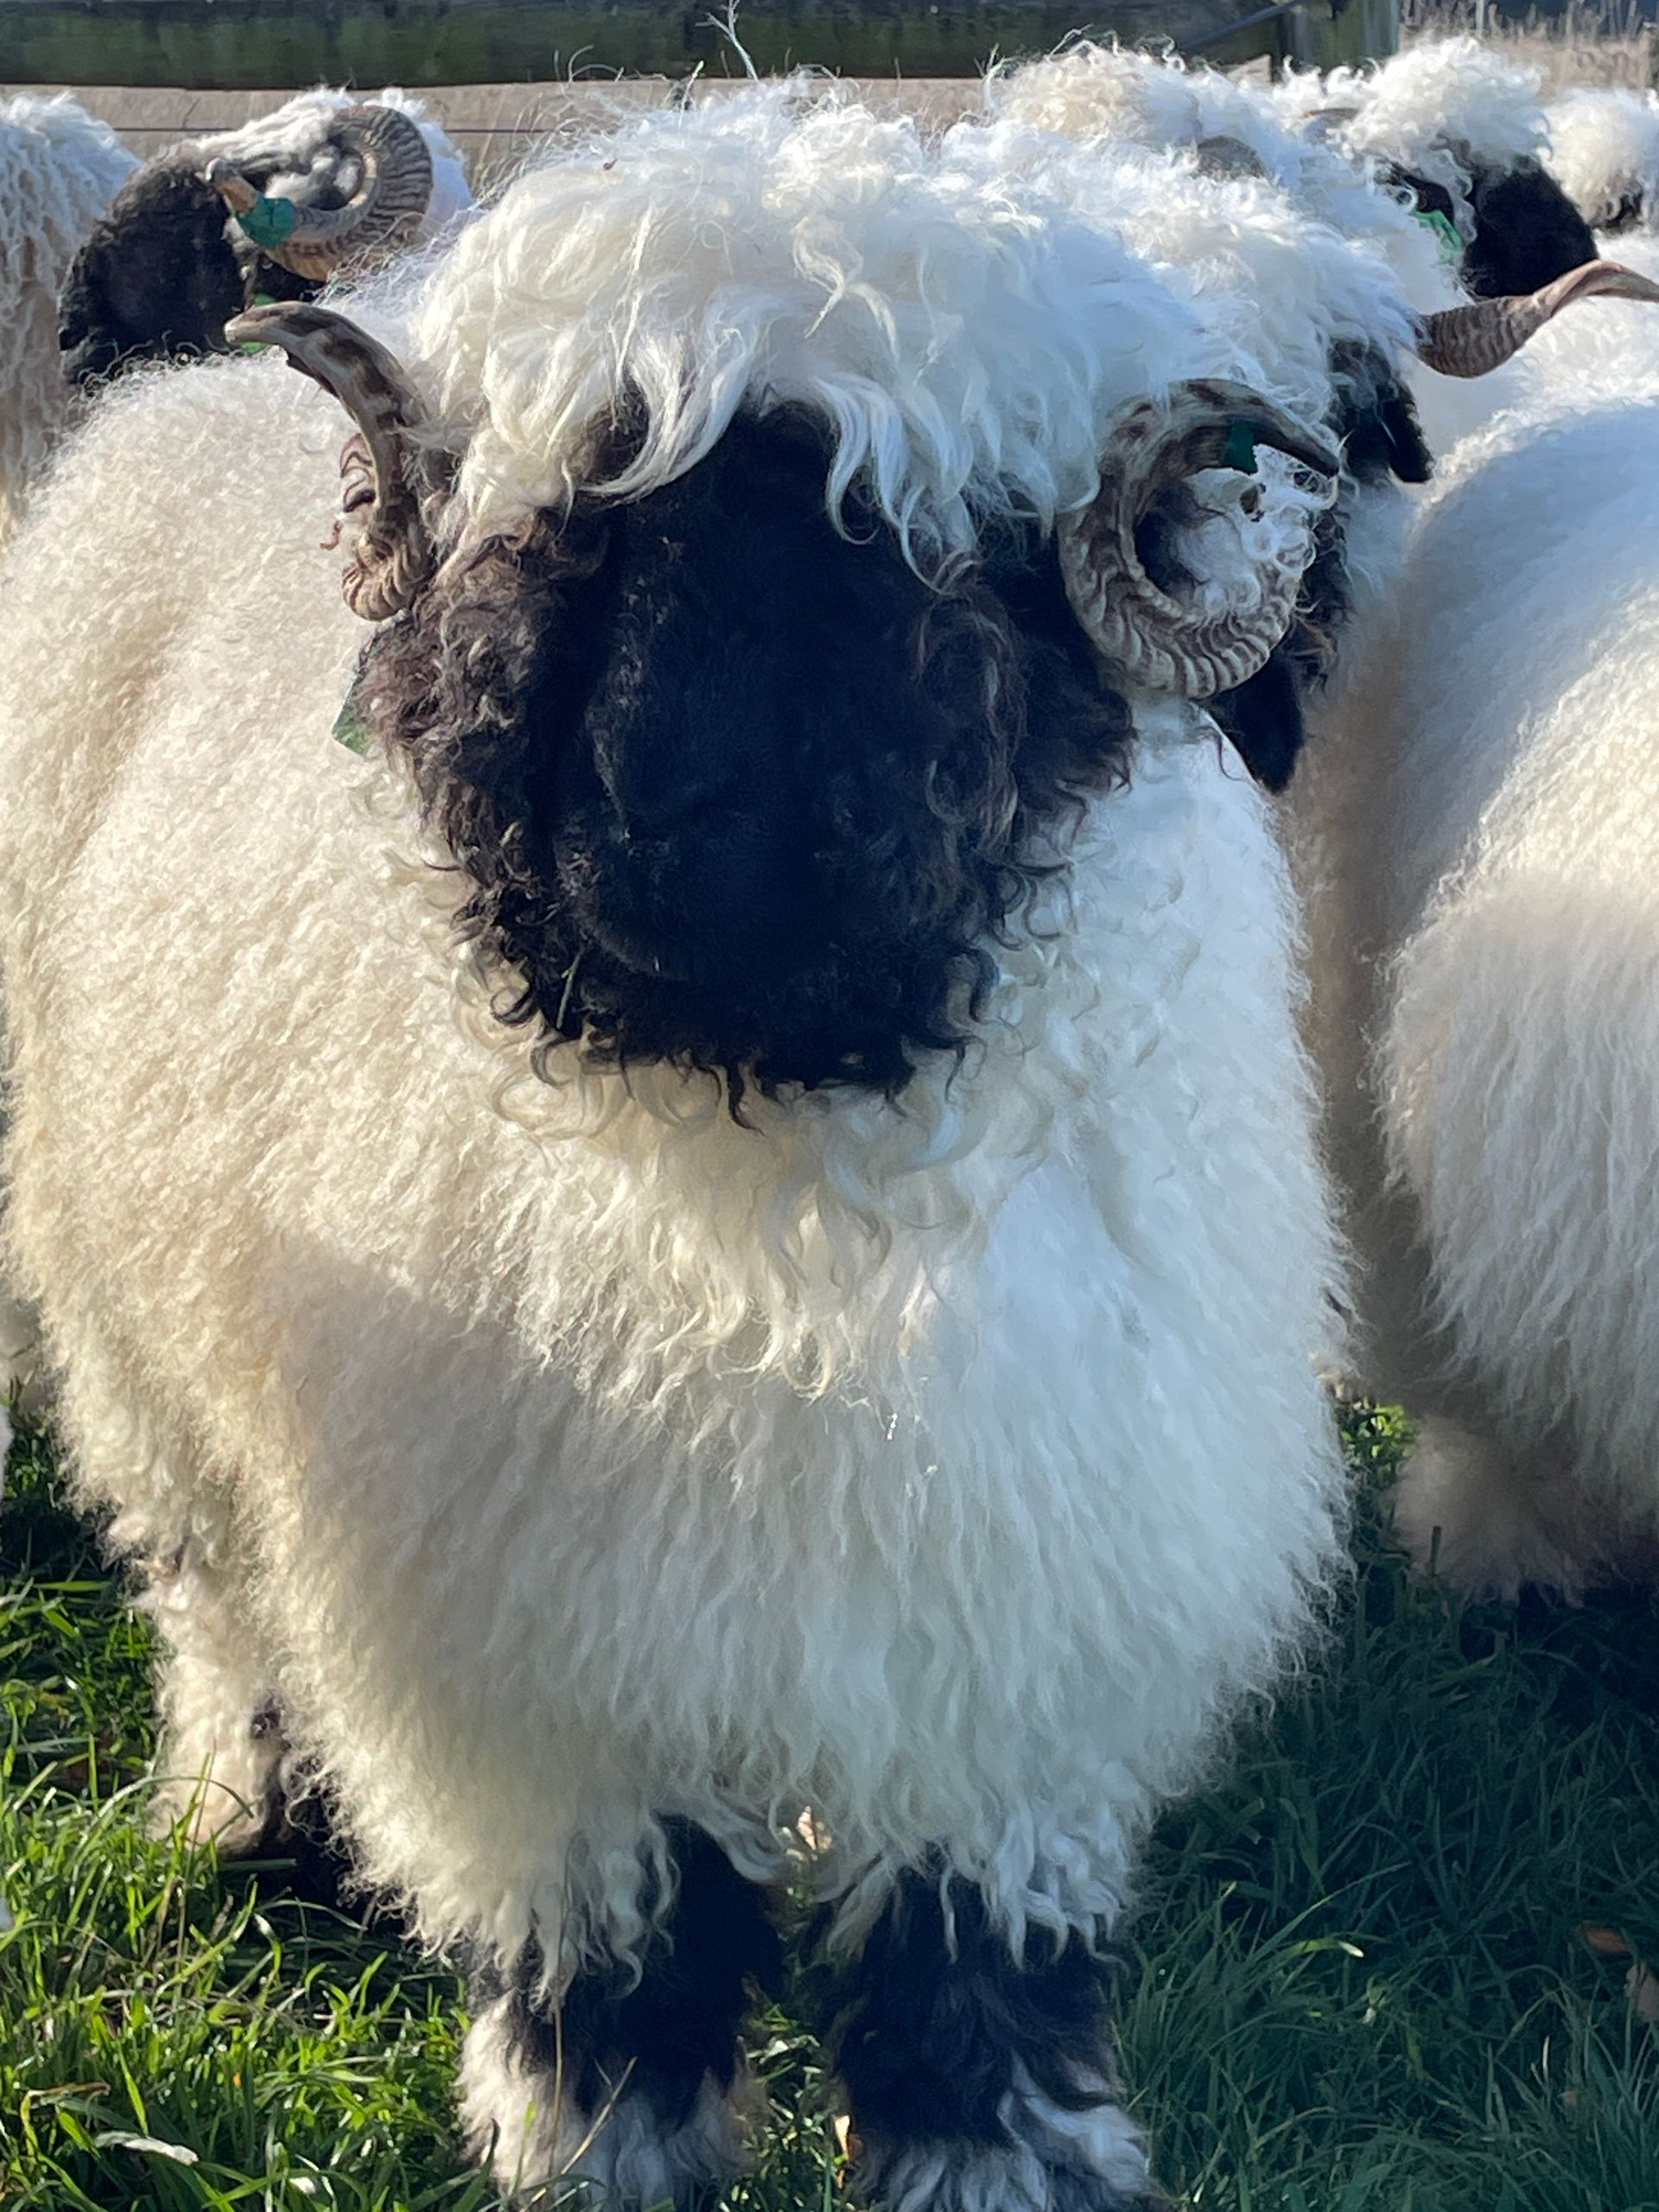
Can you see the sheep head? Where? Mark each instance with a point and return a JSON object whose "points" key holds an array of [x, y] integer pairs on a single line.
{"points": [[735, 787], [161, 275]]}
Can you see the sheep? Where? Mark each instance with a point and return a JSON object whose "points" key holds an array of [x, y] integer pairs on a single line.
{"points": [[1464, 130], [59, 170], [1390, 416], [206, 228], [1603, 153], [716, 1212], [1483, 963]]}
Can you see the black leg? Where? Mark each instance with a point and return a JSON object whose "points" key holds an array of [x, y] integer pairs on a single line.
{"points": [[635, 2082], [977, 2081]]}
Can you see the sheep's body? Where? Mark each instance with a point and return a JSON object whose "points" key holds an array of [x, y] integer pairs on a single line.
{"points": [[1481, 830], [568, 1457], [59, 168]]}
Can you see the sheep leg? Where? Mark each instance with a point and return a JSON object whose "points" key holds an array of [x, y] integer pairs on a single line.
{"points": [[1493, 1520], [219, 1762], [639, 2085], [975, 2083]]}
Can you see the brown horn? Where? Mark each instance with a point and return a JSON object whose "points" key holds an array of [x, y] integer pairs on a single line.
{"points": [[1469, 341], [1224, 157], [385, 210], [393, 554], [1153, 640]]}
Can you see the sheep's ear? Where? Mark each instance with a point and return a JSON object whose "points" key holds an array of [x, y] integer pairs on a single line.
{"points": [[385, 210], [1470, 341], [1153, 640], [394, 555]]}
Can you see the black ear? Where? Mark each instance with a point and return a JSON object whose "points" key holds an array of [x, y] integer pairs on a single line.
{"points": [[1263, 720], [1376, 422], [157, 279], [1528, 233]]}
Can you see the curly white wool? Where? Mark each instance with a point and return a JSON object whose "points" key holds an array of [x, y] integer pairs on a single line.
{"points": [[1108, 96], [565, 1454], [59, 168], [1426, 109], [1484, 953], [1603, 153]]}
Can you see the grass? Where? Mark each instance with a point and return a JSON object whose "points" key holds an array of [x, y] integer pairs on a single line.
{"points": [[1361, 1981]]}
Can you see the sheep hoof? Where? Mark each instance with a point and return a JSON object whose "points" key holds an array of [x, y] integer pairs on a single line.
{"points": [[1054, 2160], [1491, 1523]]}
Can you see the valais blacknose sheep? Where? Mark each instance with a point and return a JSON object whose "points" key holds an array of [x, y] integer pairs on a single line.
{"points": [[1486, 964], [268, 211], [715, 1215], [59, 168], [1252, 240], [1603, 153]]}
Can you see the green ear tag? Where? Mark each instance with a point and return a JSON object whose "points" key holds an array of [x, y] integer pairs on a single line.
{"points": [[269, 222], [1444, 230], [350, 729], [1241, 447]]}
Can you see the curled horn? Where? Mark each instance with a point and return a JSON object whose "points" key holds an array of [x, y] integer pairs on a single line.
{"points": [[1468, 342], [1157, 643], [393, 554], [1224, 156], [386, 209]]}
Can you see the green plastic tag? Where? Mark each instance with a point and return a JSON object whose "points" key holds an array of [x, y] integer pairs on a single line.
{"points": [[350, 729], [252, 345], [269, 222], [1444, 230], [1241, 447]]}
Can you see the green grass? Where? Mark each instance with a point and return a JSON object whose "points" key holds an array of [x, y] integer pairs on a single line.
{"points": [[1361, 1984]]}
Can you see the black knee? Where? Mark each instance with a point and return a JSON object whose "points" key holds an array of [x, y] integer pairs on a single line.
{"points": [[932, 2024], [660, 2034]]}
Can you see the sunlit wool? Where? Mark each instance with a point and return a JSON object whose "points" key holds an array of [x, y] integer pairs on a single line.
{"points": [[59, 167], [1484, 964], [564, 1450]]}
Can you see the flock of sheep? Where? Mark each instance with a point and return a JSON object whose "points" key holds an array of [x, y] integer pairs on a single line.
{"points": [[705, 1044]]}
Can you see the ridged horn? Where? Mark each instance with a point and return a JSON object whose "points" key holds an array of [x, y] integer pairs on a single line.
{"points": [[385, 210], [394, 554], [1154, 641], [1470, 341], [1224, 156]]}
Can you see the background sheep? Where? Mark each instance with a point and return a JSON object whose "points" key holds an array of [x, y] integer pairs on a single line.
{"points": [[810, 1305], [1603, 154], [1253, 244], [181, 251], [1485, 966], [59, 170]]}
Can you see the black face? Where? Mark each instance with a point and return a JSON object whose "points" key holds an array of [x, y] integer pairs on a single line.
{"points": [[1528, 233], [737, 790], [157, 279], [1376, 427]]}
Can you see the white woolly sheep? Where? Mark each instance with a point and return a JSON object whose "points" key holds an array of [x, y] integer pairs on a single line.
{"points": [[269, 210], [1258, 251], [1486, 977], [1450, 133], [728, 1220], [59, 168], [1603, 153]]}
